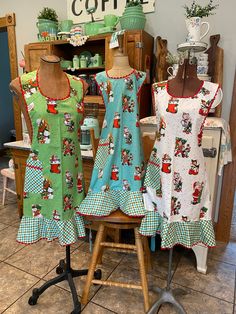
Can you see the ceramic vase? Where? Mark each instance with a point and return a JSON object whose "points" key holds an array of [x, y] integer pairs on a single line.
{"points": [[194, 27], [133, 18], [47, 28]]}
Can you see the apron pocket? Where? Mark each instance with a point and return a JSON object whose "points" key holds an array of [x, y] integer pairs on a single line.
{"points": [[34, 176]]}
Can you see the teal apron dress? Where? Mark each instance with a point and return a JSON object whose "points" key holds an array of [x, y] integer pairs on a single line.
{"points": [[119, 169]]}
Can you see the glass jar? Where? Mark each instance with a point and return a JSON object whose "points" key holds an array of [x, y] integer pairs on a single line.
{"points": [[76, 62], [83, 62], [93, 85]]}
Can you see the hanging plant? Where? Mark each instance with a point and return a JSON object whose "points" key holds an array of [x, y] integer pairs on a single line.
{"points": [[196, 10]]}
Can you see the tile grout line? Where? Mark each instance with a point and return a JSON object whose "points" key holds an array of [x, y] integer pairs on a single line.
{"points": [[99, 306], [222, 261], [4, 260], [22, 270], [209, 295], [21, 296]]}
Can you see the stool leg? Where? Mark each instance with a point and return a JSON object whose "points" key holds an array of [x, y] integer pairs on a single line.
{"points": [[143, 275], [147, 255], [4, 190], [93, 263], [99, 260]]}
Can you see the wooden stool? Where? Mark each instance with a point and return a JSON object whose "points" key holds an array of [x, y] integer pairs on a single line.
{"points": [[7, 173], [118, 220]]}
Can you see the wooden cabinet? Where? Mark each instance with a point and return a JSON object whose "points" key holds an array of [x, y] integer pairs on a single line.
{"points": [[137, 44]]}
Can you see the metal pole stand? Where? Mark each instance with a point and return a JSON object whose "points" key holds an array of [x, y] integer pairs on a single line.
{"points": [[65, 272], [167, 295]]}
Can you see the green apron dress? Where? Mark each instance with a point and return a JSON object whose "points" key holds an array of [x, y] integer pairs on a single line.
{"points": [[54, 185]]}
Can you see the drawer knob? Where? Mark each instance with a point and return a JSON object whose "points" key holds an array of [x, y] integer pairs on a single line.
{"points": [[210, 152]]}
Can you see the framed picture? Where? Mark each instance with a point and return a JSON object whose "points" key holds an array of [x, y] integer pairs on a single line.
{"points": [[76, 9]]}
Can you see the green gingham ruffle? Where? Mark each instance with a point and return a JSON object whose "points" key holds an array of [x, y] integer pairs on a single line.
{"points": [[67, 232], [104, 203], [185, 233]]}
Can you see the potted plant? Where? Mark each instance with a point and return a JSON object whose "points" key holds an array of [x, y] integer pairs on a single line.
{"points": [[133, 16], [47, 23], [194, 15], [92, 28]]}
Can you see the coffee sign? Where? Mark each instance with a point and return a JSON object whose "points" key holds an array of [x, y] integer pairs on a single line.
{"points": [[76, 9]]}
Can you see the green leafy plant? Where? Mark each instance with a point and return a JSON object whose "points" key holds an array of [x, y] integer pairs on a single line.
{"points": [[171, 58], [133, 3], [201, 11], [48, 14], [174, 59]]}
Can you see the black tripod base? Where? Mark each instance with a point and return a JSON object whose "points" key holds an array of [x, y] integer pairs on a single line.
{"points": [[65, 273], [167, 296]]}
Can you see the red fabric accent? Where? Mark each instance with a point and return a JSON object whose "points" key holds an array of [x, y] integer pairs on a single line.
{"points": [[118, 77], [64, 245], [104, 144], [209, 108], [34, 167], [154, 163]]}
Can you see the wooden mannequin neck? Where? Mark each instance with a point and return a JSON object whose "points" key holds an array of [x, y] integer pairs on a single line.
{"points": [[51, 79], [186, 82], [120, 66]]}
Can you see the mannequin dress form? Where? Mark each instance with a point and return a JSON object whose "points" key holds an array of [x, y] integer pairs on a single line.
{"points": [[188, 95], [119, 167], [51, 102]]}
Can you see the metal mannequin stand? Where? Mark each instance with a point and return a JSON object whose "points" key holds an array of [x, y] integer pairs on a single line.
{"points": [[167, 295], [65, 272]]}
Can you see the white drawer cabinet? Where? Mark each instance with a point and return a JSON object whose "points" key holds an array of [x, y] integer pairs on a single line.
{"points": [[211, 146]]}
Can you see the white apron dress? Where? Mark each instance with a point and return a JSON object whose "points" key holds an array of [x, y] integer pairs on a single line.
{"points": [[177, 193]]}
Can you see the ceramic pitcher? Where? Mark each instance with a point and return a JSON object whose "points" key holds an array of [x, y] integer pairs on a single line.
{"points": [[194, 26]]}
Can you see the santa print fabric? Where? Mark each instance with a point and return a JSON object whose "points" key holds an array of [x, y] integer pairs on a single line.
{"points": [[54, 186], [178, 200], [118, 172]]}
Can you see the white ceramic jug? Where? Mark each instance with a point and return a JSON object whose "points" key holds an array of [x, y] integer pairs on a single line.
{"points": [[194, 27]]}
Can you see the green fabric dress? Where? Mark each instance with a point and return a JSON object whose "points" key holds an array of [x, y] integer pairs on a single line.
{"points": [[54, 185]]}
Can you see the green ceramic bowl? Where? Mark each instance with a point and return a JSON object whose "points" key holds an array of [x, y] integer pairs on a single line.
{"points": [[132, 22], [92, 28]]}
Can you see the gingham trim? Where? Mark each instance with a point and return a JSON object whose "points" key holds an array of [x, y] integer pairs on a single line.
{"points": [[101, 155], [104, 203], [187, 233], [34, 176], [153, 177], [67, 232]]}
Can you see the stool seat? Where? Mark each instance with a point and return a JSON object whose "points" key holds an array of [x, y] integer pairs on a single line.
{"points": [[7, 172], [117, 217]]}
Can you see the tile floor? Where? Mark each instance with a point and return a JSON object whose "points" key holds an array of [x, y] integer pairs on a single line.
{"points": [[24, 267]]}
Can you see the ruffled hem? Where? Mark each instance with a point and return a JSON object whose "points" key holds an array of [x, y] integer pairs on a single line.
{"points": [[67, 232], [102, 204], [186, 233]]}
